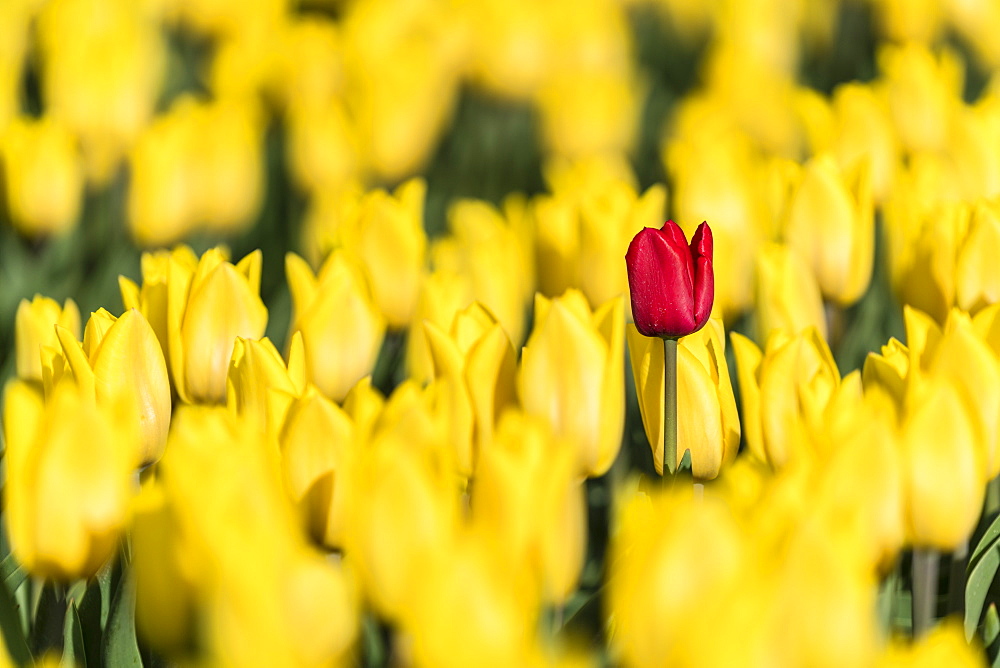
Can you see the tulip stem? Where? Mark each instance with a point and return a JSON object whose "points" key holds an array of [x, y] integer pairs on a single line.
{"points": [[669, 407], [925, 576]]}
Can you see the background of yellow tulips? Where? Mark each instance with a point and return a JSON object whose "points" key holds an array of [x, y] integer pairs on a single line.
{"points": [[316, 344]]}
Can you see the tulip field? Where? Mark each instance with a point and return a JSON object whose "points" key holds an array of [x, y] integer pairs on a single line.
{"points": [[500, 333]]}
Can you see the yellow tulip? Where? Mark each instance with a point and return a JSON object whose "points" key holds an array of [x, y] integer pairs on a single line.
{"points": [[317, 442], [863, 131], [944, 644], [288, 605], [571, 375], [67, 497], [442, 294], [976, 283], [777, 385], [527, 494], [324, 156], [473, 608], [34, 329], [391, 550], [101, 75], [943, 468], [479, 363], [788, 297], [717, 176], [197, 308], [385, 232], [44, 176], [260, 385], [493, 252], [831, 223], [584, 228], [121, 360], [341, 327], [708, 424], [923, 90]]}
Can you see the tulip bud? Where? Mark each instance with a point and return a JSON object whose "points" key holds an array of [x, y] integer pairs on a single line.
{"points": [[316, 449], [571, 374], [478, 361], [788, 297], [69, 474], [342, 329], [671, 284], [44, 176], [260, 386], [34, 329], [710, 428]]}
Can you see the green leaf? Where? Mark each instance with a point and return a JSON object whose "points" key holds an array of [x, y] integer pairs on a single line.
{"points": [[74, 652], [47, 629], [989, 537], [120, 646], [981, 575], [11, 573], [13, 632]]}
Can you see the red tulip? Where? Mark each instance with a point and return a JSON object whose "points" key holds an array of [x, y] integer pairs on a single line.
{"points": [[672, 284]]}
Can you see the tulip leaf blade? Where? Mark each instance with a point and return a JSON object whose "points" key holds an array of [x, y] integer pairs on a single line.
{"points": [[74, 651], [11, 572], [13, 632], [120, 645], [982, 572], [990, 536]]}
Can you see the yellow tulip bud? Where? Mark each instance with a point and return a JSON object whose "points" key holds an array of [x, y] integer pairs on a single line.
{"points": [[702, 546], [944, 644], [341, 328], [708, 424], [393, 550], [493, 253], [260, 386], [478, 361], [527, 495], [323, 153], [831, 223], [472, 608], [220, 303], [788, 298], [317, 443], [976, 283], [571, 374], [888, 370], [44, 176], [364, 405], [386, 234], [865, 132], [776, 386], [67, 497], [943, 467], [128, 364], [442, 295], [34, 328], [584, 228], [165, 604]]}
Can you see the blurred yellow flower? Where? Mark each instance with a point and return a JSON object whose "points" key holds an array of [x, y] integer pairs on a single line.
{"points": [[708, 424], [260, 386], [43, 174], [493, 251], [788, 298], [584, 227], [342, 329], [478, 361], [527, 495], [442, 294], [795, 372], [197, 308], [831, 223], [571, 374], [34, 329], [66, 497]]}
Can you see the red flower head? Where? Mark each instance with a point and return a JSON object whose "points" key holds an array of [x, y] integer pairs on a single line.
{"points": [[672, 284]]}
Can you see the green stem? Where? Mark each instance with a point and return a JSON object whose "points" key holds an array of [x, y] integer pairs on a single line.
{"points": [[669, 407], [925, 576]]}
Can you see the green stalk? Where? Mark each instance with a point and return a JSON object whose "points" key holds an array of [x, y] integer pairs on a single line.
{"points": [[669, 407], [925, 576]]}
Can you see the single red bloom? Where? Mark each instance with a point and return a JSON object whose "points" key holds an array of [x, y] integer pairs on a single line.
{"points": [[672, 284]]}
